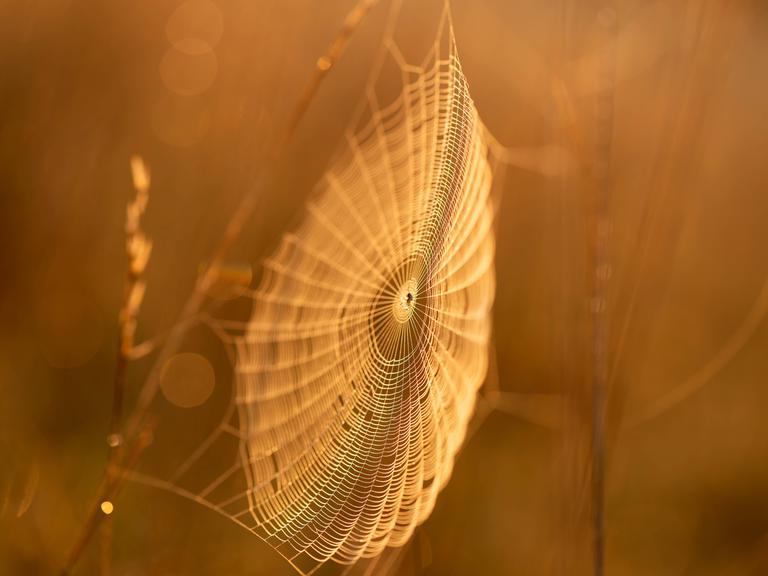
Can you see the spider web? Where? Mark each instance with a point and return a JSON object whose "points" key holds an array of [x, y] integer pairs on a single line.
{"points": [[359, 369]]}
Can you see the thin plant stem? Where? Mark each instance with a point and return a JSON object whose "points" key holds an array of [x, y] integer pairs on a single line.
{"points": [[135, 428], [600, 271], [138, 250], [326, 62]]}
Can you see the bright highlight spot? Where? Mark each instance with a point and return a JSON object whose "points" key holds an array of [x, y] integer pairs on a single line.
{"points": [[324, 63], [107, 507], [230, 279], [114, 440]]}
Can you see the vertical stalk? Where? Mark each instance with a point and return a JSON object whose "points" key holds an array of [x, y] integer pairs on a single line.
{"points": [[601, 224], [135, 429]]}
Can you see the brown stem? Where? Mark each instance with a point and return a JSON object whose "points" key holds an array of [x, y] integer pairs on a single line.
{"points": [[600, 276], [134, 427], [137, 249], [326, 62], [108, 489]]}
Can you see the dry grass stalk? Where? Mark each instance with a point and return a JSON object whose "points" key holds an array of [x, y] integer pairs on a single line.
{"points": [[138, 249], [132, 437], [327, 61]]}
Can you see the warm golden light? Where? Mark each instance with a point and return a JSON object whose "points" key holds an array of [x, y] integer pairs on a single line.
{"points": [[354, 414], [313, 287], [114, 440], [324, 63], [231, 280], [139, 174]]}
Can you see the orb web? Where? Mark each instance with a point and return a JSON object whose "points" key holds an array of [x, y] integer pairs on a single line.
{"points": [[358, 370]]}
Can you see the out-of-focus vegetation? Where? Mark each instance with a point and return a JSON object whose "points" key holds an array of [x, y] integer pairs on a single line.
{"points": [[203, 91]]}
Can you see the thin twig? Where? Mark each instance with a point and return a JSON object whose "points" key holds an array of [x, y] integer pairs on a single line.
{"points": [[133, 431], [138, 249], [326, 62], [600, 276], [108, 489], [146, 347]]}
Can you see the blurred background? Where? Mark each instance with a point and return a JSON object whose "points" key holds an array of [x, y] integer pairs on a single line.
{"points": [[659, 106]]}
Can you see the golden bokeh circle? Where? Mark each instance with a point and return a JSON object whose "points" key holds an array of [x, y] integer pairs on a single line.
{"points": [[195, 19], [187, 380]]}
